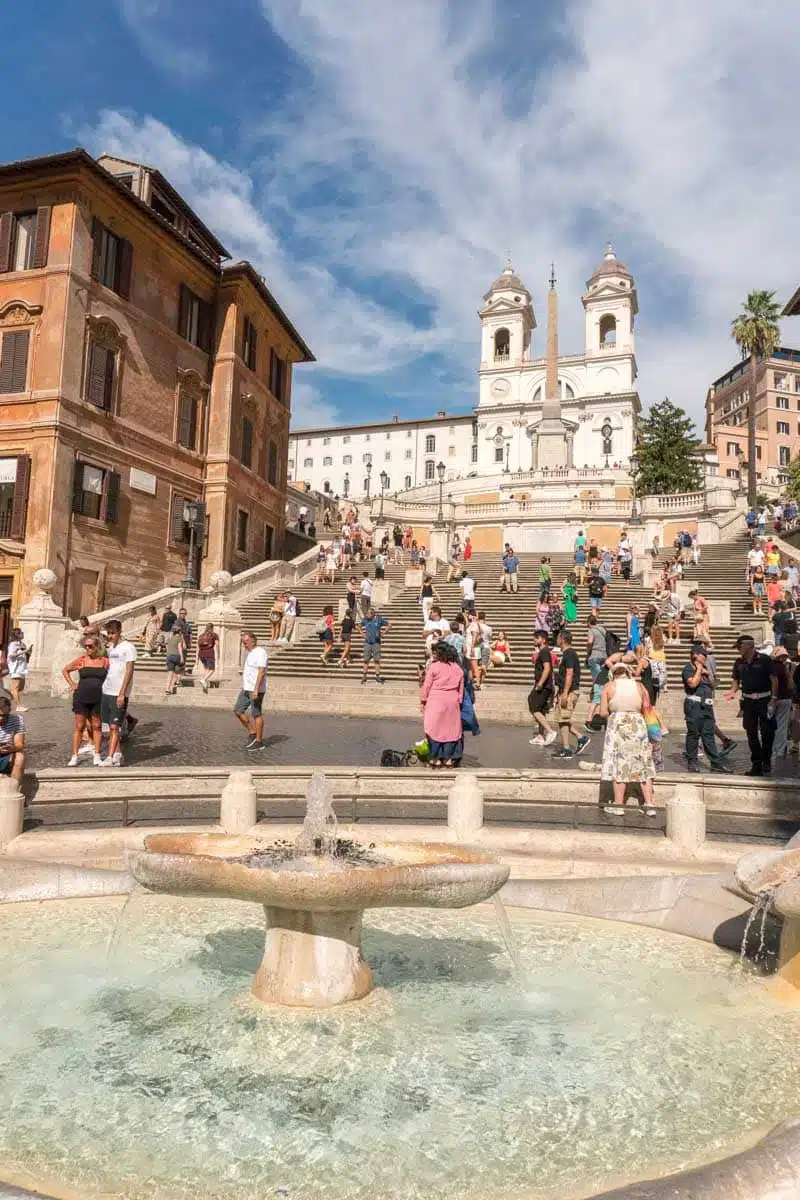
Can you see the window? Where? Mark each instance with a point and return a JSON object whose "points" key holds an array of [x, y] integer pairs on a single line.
{"points": [[187, 420], [797, 383], [308, 462], [502, 343], [430, 469], [327, 461], [367, 437], [246, 455], [608, 331], [112, 260], [758, 452], [365, 486], [179, 530], [475, 453], [387, 456], [732, 473], [430, 444], [346, 439], [95, 492], [733, 449], [277, 376], [326, 486], [15, 474], [326, 441], [14, 361], [498, 454], [194, 319], [388, 483], [783, 427], [249, 343], [451, 451], [781, 381], [242, 530], [784, 456], [347, 460], [24, 239], [366, 458], [161, 207], [408, 481], [272, 465], [409, 453], [474, 428], [782, 402], [409, 433], [101, 369]]}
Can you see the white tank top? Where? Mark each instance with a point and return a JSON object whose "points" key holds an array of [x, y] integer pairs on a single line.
{"points": [[626, 696]]}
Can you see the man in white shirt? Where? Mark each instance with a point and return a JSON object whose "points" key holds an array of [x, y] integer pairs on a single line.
{"points": [[755, 557], [247, 708], [365, 593], [467, 585], [117, 686], [435, 622]]}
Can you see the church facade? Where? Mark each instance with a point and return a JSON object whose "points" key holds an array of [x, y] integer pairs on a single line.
{"points": [[534, 414]]}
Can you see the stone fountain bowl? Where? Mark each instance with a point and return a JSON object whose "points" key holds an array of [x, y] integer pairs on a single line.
{"points": [[424, 875], [771, 871]]}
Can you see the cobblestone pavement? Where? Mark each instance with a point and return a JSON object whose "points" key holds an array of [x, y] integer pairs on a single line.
{"points": [[186, 737]]}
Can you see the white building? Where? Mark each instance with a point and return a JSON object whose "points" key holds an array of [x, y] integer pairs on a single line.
{"points": [[599, 402]]}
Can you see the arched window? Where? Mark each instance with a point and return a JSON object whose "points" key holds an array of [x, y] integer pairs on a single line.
{"points": [[608, 331], [326, 486], [408, 482], [567, 392], [430, 444], [430, 469], [365, 486], [502, 344]]}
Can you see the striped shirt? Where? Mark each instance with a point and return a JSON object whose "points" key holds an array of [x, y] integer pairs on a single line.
{"points": [[9, 728]]}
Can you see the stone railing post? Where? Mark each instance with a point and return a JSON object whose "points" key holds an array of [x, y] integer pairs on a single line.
{"points": [[42, 621], [465, 807], [12, 808], [686, 818], [238, 809], [227, 622]]}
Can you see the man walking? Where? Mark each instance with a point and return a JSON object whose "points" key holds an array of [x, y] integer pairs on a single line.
{"points": [[250, 700], [698, 711], [467, 586], [597, 590], [372, 624], [117, 686], [365, 593], [510, 571], [568, 684], [540, 699], [754, 676]]}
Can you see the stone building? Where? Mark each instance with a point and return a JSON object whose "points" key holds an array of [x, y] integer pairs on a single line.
{"points": [[138, 371]]}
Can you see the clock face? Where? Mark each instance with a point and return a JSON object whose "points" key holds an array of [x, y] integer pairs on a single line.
{"points": [[501, 387]]}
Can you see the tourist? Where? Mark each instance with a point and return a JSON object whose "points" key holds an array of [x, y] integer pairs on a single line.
{"points": [[380, 564], [454, 559], [346, 631], [311, 532], [627, 756], [782, 703], [455, 638], [597, 591], [151, 630], [579, 558], [291, 611], [397, 542], [656, 653], [326, 519], [510, 571], [695, 553], [17, 657], [486, 644], [207, 654], [117, 687], [473, 650], [441, 696], [673, 612], [594, 555], [250, 701], [428, 595], [698, 711], [467, 548], [168, 619], [501, 651], [184, 624], [365, 593], [702, 629], [633, 622], [467, 587], [325, 629], [685, 544], [606, 568], [12, 742], [674, 572], [435, 623], [625, 556], [772, 561], [540, 698], [330, 563], [596, 645], [176, 657], [545, 578], [568, 687], [92, 669], [754, 677], [542, 619], [276, 616], [373, 625], [758, 588], [351, 593], [655, 549], [569, 593]]}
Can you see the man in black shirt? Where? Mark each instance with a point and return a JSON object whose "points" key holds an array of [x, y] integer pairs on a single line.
{"points": [[541, 696], [754, 675], [568, 684], [698, 711]]}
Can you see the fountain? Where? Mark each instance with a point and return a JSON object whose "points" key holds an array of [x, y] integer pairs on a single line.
{"points": [[770, 879], [314, 894]]}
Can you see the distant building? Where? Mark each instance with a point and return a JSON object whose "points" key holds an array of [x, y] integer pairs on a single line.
{"points": [[138, 372], [777, 409]]}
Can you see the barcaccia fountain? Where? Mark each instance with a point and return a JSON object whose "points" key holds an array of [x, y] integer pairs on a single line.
{"points": [[770, 879]]}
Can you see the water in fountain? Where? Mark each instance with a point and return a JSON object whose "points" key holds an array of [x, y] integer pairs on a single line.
{"points": [[506, 933], [318, 835], [760, 909]]}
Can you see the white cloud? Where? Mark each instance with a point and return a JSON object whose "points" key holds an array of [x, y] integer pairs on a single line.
{"points": [[310, 409], [162, 40]]}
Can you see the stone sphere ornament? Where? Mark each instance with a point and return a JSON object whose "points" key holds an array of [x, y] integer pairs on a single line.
{"points": [[45, 580], [221, 581]]}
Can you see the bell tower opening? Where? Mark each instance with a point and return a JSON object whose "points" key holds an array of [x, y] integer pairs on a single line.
{"points": [[502, 345], [608, 331]]}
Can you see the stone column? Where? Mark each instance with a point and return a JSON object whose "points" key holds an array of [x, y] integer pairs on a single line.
{"points": [[438, 546], [238, 809], [12, 805], [465, 808], [686, 818], [227, 622], [42, 621]]}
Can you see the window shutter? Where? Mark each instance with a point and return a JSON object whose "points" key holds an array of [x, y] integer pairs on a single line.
{"points": [[97, 247], [14, 361], [204, 327], [19, 510], [183, 310], [77, 486], [176, 519], [42, 238], [96, 374], [6, 364], [108, 381], [6, 229], [110, 510], [124, 268]]}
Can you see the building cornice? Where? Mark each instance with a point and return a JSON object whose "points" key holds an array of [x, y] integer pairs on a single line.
{"points": [[370, 427]]}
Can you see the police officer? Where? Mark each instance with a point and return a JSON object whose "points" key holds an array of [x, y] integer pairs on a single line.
{"points": [[698, 710], [754, 675]]}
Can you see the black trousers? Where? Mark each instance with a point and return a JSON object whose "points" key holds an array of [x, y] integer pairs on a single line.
{"points": [[700, 728], [760, 730]]}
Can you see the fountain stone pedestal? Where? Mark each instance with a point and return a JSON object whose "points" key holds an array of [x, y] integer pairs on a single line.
{"points": [[312, 959]]}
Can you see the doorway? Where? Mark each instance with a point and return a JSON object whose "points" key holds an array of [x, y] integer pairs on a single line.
{"points": [[83, 592]]}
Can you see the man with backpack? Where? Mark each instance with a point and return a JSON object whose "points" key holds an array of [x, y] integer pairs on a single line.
{"points": [[597, 590], [601, 643], [540, 698]]}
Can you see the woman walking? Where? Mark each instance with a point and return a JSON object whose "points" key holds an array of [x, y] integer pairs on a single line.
{"points": [[570, 593], [17, 658], [151, 630], [87, 694], [207, 653], [276, 616], [428, 595], [634, 622], [627, 757], [757, 587], [325, 632], [346, 636], [441, 695]]}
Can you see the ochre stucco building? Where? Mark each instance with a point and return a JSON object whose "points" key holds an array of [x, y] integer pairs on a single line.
{"points": [[138, 371]]}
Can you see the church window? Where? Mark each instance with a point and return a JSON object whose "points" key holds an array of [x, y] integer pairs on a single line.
{"points": [[608, 331], [474, 453], [408, 481], [498, 454], [430, 444], [502, 345], [430, 469]]}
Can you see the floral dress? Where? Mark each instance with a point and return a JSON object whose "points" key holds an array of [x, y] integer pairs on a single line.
{"points": [[627, 756]]}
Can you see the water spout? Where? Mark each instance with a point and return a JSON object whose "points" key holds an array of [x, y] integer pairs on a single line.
{"points": [[319, 832]]}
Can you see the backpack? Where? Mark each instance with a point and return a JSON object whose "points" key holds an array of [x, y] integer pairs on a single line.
{"points": [[612, 643], [596, 587], [321, 626], [298, 610], [686, 539]]}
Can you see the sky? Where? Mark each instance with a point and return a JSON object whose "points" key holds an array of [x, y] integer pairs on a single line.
{"points": [[377, 160]]}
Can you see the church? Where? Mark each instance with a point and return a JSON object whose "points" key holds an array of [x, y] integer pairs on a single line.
{"points": [[534, 415]]}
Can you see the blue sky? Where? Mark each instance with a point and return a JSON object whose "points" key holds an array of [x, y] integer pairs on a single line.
{"points": [[376, 160]]}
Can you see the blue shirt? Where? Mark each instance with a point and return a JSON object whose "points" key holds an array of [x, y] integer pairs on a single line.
{"points": [[372, 630], [510, 564]]}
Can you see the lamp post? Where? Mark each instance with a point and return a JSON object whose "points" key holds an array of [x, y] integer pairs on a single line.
{"points": [[634, 465], [384, 486], [346, 485], [508, 453], [606, 431], [369, 476], [194, 515], [440, 514]]}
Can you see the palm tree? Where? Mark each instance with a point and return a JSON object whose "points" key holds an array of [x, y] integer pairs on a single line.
{"points": [[756, 333]]}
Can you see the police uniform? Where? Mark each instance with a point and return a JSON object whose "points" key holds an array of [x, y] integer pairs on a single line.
{"points": [[698, 710], [755, 683]]}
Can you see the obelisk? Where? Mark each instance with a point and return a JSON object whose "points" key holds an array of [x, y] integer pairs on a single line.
{"points": [[551, 446]]}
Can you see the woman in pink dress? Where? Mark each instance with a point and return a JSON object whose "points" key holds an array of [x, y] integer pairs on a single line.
{"points": [[441, 695]]}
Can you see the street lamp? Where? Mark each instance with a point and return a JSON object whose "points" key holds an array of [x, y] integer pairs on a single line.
{"points": [[346, 485], [634, 466], [369, 476], [194, 516], [508, 452], [440, 514], [384, 486], [606, 432]]}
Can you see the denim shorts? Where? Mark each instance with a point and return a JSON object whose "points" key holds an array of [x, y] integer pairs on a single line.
{"points": [[372, 652]]}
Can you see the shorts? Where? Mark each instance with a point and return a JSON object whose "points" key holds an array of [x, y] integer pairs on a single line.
{"points": [[208, 663], [372, 652], [111, 712], [625, 570], [380, 573], [82, 709], [566, 707], [540, 701], [484, 656], [6, 763], [468, 606], [759, 589], [173, 662], [245, 703], [327, 636], [595, 602]]}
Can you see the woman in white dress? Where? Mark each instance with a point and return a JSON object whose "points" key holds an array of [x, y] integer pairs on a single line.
{"points": [[17, 657], [627, 757]]}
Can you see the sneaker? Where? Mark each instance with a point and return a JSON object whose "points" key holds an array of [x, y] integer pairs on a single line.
{"points": [[252, 743], [551, 737], [256, 745], [721, 768], [116, 759], [647, 812], [583, 742], [85, 748], [536, 741], [73, 762], [562, 753], [204, 686], [754, 771], [104, 762], [614, 810], [380, 679], [588, 727]]}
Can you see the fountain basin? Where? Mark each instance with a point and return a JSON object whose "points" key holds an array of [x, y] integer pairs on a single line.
{"points": [[312, 951], [771, 880]]}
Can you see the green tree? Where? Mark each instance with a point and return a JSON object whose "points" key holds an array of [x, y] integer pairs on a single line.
{"points": [[667, 452], [756, 333], [792, 488]]}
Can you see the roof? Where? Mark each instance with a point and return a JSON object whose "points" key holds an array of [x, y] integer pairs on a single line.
{"points": [[792, 308], [783, 354], [328, 430], [508, 281], [231, 270], [609, 266], [82, 158]]}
